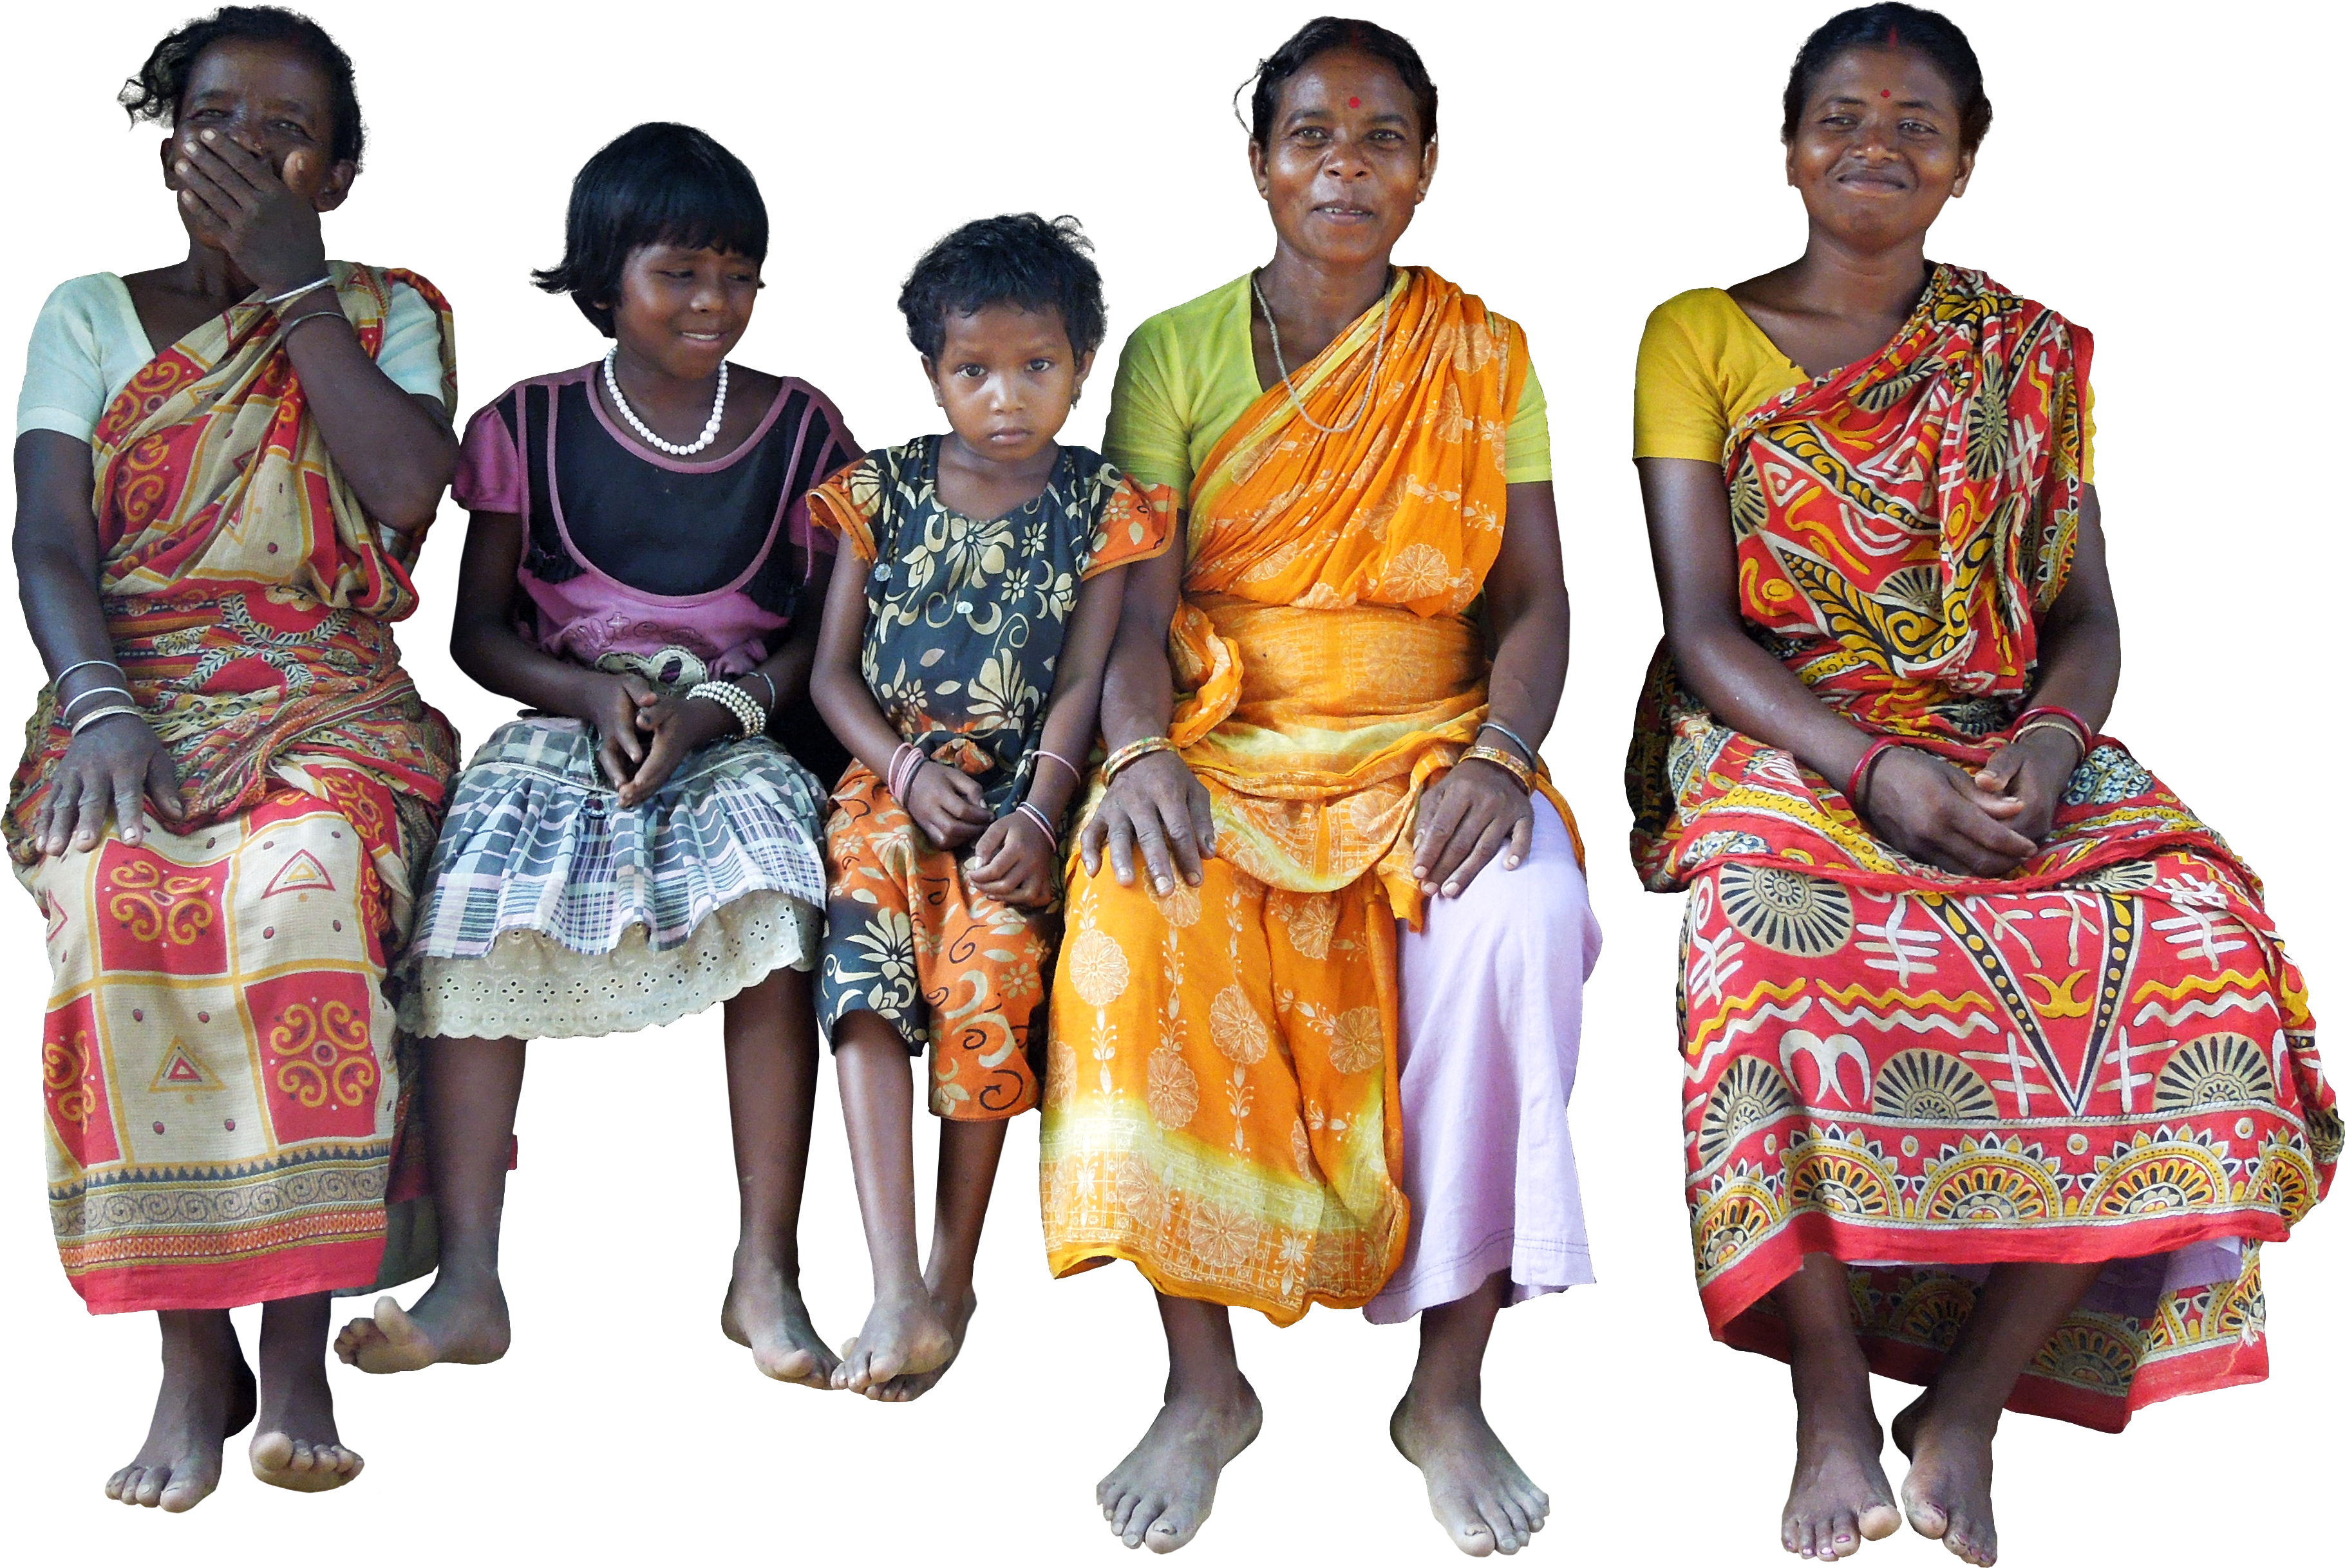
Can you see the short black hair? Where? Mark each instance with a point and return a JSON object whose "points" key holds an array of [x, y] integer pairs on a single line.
{"points": [[658, 184], [1019, 259], [1324, 35], [154, 94], [1894, 27]]}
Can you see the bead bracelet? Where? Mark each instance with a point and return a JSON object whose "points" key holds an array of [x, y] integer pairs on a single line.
{"points": [[1512, 765], [1123, 757], [734, 701]]}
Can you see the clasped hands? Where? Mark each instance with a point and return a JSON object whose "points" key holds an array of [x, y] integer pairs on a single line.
{"points": [[1157, 806], [1013, 860], [1981, 823]]}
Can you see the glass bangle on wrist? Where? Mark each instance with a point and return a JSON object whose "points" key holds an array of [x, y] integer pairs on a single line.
{"points": [[1123, 757], [106, 712], [1530, 752]]}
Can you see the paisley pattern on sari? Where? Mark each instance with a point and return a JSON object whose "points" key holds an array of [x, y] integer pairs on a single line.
{"points": [[1221, 1107], [2105, 1056]]}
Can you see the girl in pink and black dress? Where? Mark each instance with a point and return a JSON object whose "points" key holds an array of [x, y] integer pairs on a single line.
{"points": [[635, 847]]}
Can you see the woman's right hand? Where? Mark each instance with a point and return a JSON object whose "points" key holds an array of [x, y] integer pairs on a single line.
{"points": [[1934, 812], [1158, 803], [612, 710], [115, 764], [945, 805]]}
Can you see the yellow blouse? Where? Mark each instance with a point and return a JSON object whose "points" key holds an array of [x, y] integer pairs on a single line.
{"points": [[1704, 364]]}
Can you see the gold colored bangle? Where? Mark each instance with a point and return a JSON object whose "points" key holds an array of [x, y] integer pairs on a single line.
{"points": [[1516, 768], [2059, 726], [1123, 757]]}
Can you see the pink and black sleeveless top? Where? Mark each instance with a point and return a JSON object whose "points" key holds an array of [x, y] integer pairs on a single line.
{"points": [[633, 552]]}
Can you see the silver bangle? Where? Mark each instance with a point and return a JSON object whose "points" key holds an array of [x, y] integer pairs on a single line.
{"points": [[734, 701], [1530, 752], [58, 679], [773, 692], [93, 715], [292, 294], [125, 692], [286, 330]]}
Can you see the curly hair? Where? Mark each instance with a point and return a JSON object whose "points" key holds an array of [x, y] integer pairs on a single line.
{"points": [[1894, 27], [154, 94], [1324, 35], [659, 183], [1019, 259]]}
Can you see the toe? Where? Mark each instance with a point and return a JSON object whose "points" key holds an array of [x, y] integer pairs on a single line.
{"points": [[1474, 1537], [149, 1490], [1168, 1533], [120, 1481]]}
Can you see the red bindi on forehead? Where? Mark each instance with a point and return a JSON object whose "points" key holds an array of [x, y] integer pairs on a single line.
{"points": [[1356, 103], [1885, 92]]}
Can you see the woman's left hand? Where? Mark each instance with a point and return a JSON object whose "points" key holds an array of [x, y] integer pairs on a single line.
{"points": [[1472, 813], [675, 727], [1011, 863], [2033, 773], [267, 222]]}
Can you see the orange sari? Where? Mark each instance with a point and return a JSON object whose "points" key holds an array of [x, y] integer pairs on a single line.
{"points": [[1221, 1107]]}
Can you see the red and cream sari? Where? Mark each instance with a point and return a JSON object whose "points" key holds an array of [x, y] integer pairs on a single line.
{"points": [[218, 1066]]}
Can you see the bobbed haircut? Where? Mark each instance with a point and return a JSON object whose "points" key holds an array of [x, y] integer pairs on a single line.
{"points": [[1894, 27], [1019, 259], [154, 94], [658, 184], [1325, 35]]}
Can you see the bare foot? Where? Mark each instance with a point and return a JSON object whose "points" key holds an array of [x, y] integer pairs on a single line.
{"points": [[1478, 1493], [1163, 1490], [1840, 1496], [1947, 1491], [958, 1310], [904, 1334], [764, 1310], [461, 1320], [207, 1397], [294, 1439]]}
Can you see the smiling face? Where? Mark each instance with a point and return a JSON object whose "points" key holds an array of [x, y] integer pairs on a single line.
{"points": [[681, 312], [274, 101], [1346, 163], [1878, 151], [1007, 379]]}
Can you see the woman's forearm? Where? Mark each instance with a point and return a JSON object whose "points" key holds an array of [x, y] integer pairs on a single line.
{"points": [[495, 656], [2079, 652], [1136, 693], [396, 454], [1752, 692], [55, 547]]}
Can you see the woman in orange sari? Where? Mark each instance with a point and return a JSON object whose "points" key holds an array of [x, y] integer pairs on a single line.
{"points": [[212, 540], [1322, 1055], [1997, 1075]]}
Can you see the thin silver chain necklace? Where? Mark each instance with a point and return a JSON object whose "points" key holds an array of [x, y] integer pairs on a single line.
{"points": [[707, 432], [1278, 354]]}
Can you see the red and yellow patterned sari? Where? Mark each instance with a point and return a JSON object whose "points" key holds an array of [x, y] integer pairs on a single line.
{"points": [[2104, 1057], [1220, 1105], [218, 1066]]}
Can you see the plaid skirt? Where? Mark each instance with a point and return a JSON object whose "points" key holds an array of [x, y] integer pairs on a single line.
{"points": [[550, 910]]}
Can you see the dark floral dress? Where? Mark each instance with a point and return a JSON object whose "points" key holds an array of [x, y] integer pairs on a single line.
{"points": [[965, 618]]}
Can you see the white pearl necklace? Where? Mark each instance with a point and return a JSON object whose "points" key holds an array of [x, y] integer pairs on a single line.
{"points": [[619, 402]]}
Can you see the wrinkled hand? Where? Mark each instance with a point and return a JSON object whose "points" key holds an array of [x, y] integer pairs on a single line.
{"points": [[1157, 803], [115, 764], [675, 727], [1011, 864], [1474, 810], [617, 700], [265, 220], [2035, 772], [945, 805], [1936, 812]]}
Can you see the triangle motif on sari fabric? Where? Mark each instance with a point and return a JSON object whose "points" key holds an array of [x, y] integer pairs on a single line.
{"points": [[301, 872], [180, 1071]]}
